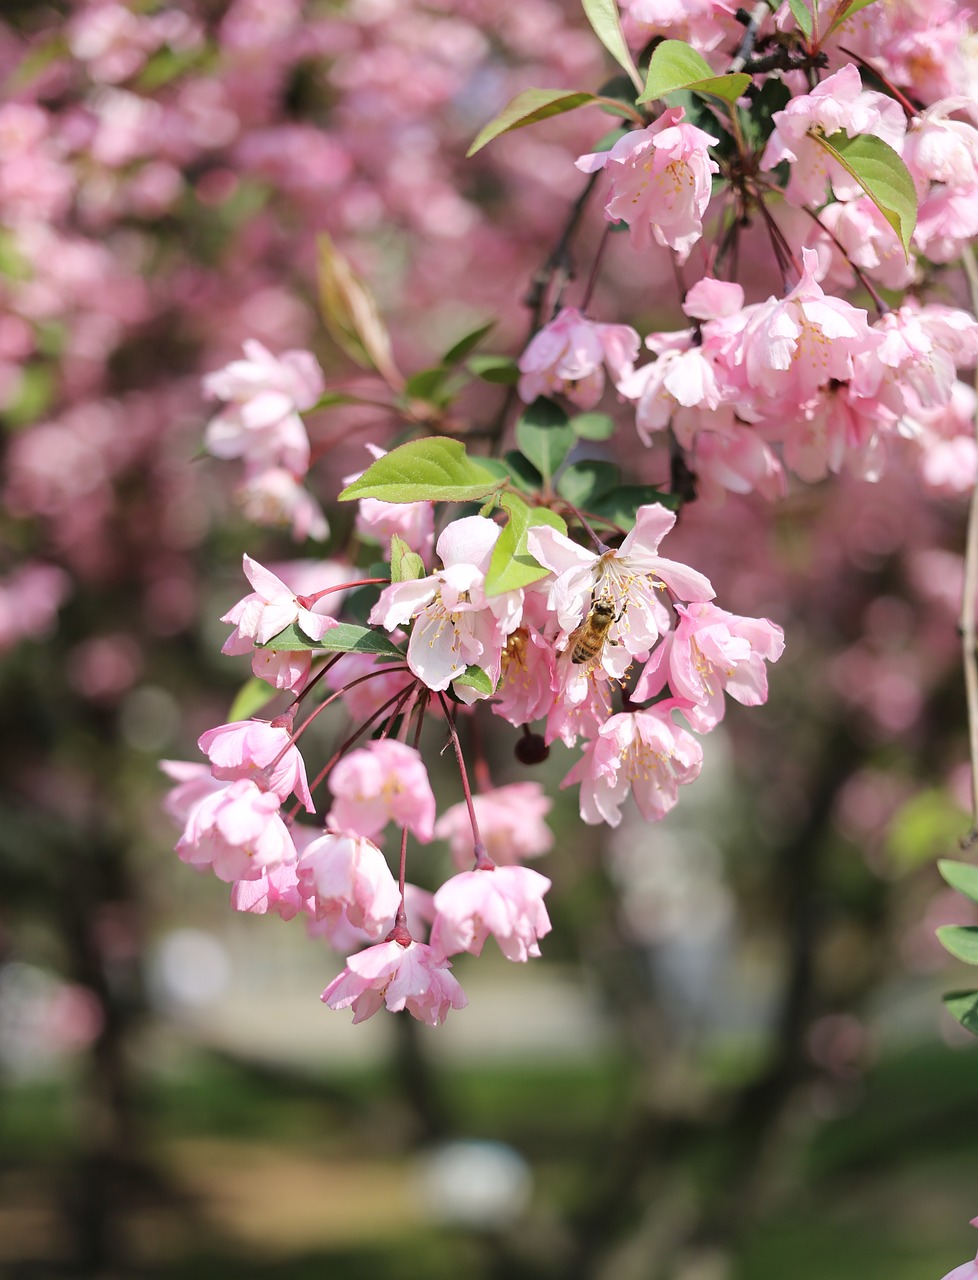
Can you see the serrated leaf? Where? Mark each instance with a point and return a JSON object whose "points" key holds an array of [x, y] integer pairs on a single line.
{"points": [[961, 876], [350, 313], [846, 11], [432, 470], [523, 472], [527, 108], [512, 566], [545, 436], [881, 174], [803, 16], [587, 482], [476, 678], [406, 565], [961, 940], [251, 697], [593, 426], [457, 353], [963, 1005], [605, 21], [620, 506], [343, 638], [496, 369], [674, 65]]}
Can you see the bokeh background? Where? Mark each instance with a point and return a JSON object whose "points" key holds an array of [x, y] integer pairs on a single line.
{"points": [[732, 1062]]}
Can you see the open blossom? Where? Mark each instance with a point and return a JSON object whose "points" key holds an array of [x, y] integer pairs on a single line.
{"points": [[399, 977], [270, 608], [260, 751], [383, 782], [642, 752], [261, 421], [346, 875], [455, 625], [525, 692], [506, 902], [709, 653], [511, 824], [628, 577], [967, 1270], [238, 831], [276, 890], [194, 782], [568, 356], [661, 181]]}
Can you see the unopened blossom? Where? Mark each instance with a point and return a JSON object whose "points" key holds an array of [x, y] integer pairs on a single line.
{"points": [[347, 875], [661, 181], [511, 824], [399, 977], [455, 625], [568, 357], [639, 752], [506, 902], [385, 781], [265, 395], [629, 577], [277, 891], [260, 751], [270, 608], [837, 103], [238, 831], [712, 652]]}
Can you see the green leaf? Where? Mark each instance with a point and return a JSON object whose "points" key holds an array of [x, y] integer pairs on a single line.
{"points": [[476, 678], [498, 369], [457, 353], [758, 122], [343, 638], [545, 436], [593, 426], [803, 16], [961, 940], [586, 482], [406, 565], [426, 384], [605, 21], [251, 697], [881, 174], [924, 826], [619, 508], [963, 1005], [845, 11], [674, 65], [329, 399], [961, 876], [512, 566], [523, 472], [350, 313], [432, 470], [527, 108]]}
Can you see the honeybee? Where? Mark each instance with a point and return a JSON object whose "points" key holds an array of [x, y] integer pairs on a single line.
{"points": [[589, 639]]}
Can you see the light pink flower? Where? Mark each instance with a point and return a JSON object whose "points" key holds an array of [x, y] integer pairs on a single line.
{"points": [[709, 653], [260, 751], [511, 824], [704, 24], [194, 782], [660, 181], [347, 876], [270, 608], [401, 977], [261, 421], [29, 601], [506, 902], [273, 496], [238, 831], [412, 522], [364, 699], [455, 626], [568, 356], [867, 241], [525, 692], [385, 781], [642, 752], [967, 1270], [629, 577], [277, 891]]}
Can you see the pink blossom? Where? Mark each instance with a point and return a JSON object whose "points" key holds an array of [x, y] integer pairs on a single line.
{"points": [[583, 701], [629, 577], [365, 698], [568, 356], [704, 24], [511, 824], [967, 1270], [273, 496], [867, 242], [238, 831], [346, 875], [410, 977], [455, 625], [29, 601], [412, 522], [385, 781], [709, 653], [269, 609], [734, 460], [642, 752], [277, 890], [660, 181], [504, 901], [525, 691], [194, 782], [261, 421], [260, 751]]}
